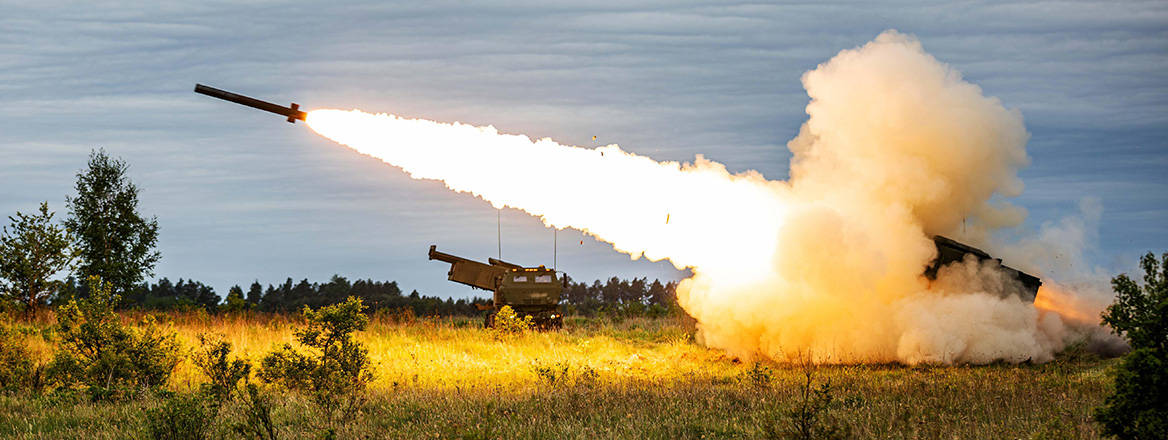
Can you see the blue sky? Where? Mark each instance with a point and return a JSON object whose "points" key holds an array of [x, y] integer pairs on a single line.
{"points": [[241, 195]]}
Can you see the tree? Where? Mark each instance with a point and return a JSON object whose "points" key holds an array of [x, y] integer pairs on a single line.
{"points": [[114, 241], [254, 294], [1140, 314], [235, 301], [1139, 407], [33, 251]]}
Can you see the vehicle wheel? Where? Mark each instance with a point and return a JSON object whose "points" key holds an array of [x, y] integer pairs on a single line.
{"points": [[489, 320]]}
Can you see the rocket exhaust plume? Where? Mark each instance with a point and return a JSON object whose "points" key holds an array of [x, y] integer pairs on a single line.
{"points": [[897, 148]]}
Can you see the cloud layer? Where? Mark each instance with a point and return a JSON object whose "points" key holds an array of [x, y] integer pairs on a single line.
{"points": [[241, 195]]}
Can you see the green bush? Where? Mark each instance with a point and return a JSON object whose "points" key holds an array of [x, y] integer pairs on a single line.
{"points": [[330, 365], [98, 351], [1139, 407], [182, 416], [213, 358]]}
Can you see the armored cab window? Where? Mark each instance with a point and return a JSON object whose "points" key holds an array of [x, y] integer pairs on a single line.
{"points": [[543, 278], [520, 279]]}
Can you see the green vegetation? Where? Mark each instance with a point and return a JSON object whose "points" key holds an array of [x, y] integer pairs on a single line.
{"points": [[214, 360], [30, 254], [1139, 407], [114, 241], [181, 416], [16, 366], [103, 363], [255, 420], [596, 378], [332, 367], [96, 350]]}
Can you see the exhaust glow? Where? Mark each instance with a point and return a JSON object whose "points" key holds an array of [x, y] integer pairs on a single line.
{"points": [[716, 220]]}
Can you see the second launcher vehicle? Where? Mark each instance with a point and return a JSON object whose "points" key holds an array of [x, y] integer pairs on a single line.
{"points": [[530, 291]]}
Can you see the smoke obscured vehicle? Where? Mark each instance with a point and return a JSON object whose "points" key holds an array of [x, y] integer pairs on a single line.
{"points": [[950, 251]]}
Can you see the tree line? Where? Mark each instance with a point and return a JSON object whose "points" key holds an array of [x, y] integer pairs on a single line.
{"points": [[104, 235], [635, 297]]}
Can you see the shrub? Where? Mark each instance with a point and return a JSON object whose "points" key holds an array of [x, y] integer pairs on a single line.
{"points": [[184, 416], [507, 322], [811, 417], [551, 374], [257, 410], [16, 367], [758, 376], [213, 359], [1139, 407], [563, 374], [97, 350], [330, 365]]}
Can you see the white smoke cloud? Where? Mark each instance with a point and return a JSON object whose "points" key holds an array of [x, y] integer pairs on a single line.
{"points": [[897, 147]]}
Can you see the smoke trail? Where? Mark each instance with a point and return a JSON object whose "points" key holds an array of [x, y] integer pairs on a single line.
{"points": [[697, 215], [897, 147]]}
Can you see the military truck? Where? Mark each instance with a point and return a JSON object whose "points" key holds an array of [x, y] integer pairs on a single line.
{"points": [[949, 251], [530, 291]]}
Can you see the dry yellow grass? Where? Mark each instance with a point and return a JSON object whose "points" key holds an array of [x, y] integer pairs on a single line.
{"points": [[639, 378]]}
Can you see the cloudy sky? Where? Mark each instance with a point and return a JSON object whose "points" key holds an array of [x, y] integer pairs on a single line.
{"points": [[241, 195]]}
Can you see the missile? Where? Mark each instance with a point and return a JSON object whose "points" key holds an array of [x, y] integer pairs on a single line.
{"points": [[293, 112]]}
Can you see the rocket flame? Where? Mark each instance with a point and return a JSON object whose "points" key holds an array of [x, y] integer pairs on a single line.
{"points": [[717, 220], [897, 148], [1071, 307]]}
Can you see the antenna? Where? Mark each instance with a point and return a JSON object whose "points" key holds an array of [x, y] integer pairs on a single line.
{"points": [[555, 246], [499, 229]]}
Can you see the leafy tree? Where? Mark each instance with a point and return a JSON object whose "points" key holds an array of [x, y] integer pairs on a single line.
{"points": [[1139, 407], [30, 253], [114, 241], [1140, 314]]}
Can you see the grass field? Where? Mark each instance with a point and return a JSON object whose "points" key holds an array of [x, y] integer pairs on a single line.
{"points": [[636, 378]]}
